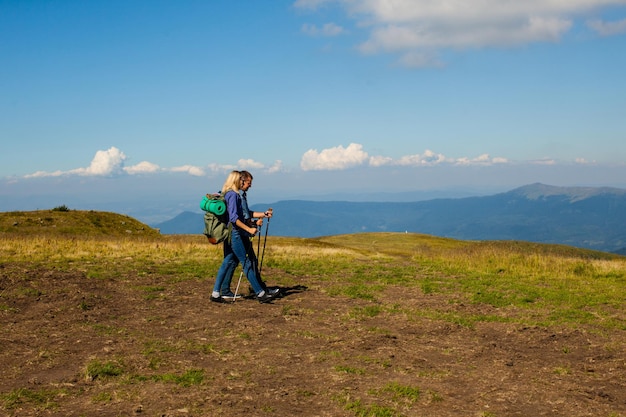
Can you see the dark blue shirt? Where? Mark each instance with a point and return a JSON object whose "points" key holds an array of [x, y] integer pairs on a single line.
{"points": [[247, 214]]}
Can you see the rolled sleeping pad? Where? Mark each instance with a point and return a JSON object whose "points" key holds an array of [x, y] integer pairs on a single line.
{"points": [[212, 205], [204, 203], [217, 207]]}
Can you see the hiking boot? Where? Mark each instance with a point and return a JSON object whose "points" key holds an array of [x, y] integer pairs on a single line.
{"points": [[230, 296], [273, 290], [266, 297], [219, 299]]}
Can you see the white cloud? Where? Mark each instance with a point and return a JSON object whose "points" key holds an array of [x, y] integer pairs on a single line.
{"points": [[333, 158], [463, 161], [327, 30], [417, 37], [339, 158], [41, 174], [378, 161], [104, 163], [111, 163], [584, 161], [427, 158], [189, 169], [141, 168], [213, 167], [249, 164], [276, 167], [607, 28], [483, 159], [544, 161], [468, 10], [415, 28]]}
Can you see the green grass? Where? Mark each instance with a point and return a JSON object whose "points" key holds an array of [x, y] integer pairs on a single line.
{"points": [[349, 370], [562, 284], [42, 399], [63, 221], [379, 274], [98, 369], [533, 284], [391, 400], [187, 379], [401, 392]]}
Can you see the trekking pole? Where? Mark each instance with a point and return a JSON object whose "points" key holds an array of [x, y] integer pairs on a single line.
{"points": [[258, 247], [238, 283], [240, 276], [267, 226]]}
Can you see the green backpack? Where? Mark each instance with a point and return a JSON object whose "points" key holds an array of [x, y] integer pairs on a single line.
{"points": [[217, 228]]}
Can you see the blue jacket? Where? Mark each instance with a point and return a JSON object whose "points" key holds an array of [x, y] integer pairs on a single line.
{"points": [[233, 205]]}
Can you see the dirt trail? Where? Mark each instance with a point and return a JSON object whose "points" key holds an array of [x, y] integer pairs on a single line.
{"points": [[308, 354]]}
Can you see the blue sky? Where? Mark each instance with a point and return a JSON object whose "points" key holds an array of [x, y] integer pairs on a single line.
{"points": [[313, 96]]}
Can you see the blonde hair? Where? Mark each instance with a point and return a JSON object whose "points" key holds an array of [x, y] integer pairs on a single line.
{"points": [[232, 183]]}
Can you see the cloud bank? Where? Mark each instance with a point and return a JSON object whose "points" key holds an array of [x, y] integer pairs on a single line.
{"points": [[339, 158], [418, 30], [111, 163]]}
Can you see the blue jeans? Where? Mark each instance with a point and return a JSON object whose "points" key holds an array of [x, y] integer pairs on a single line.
{"points": [[238, 251]]}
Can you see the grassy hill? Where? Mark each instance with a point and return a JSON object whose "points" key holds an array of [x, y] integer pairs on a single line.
{"points": [[62, 221], [370, 324]]}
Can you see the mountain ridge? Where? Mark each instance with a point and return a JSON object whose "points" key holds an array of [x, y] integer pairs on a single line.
{"points": [[587, 217], [536, 190]]}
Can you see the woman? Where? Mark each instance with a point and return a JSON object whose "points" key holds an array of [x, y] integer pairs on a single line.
{"points": [[254, 219], [239, 247]]}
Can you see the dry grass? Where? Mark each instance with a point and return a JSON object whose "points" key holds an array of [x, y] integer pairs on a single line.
{"points": [[387, 324]]}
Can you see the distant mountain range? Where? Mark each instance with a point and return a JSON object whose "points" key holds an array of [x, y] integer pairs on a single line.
{"points": [[587, 217]]}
